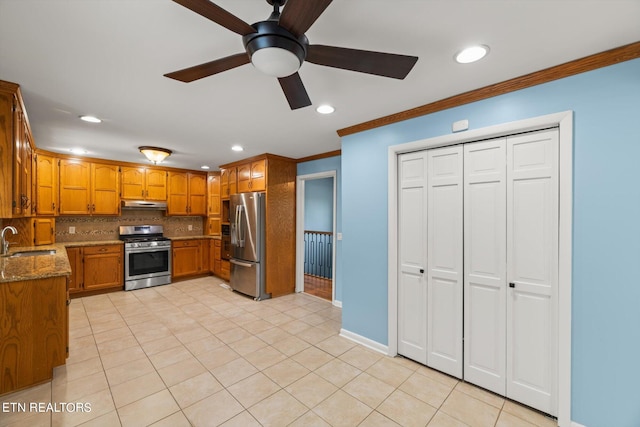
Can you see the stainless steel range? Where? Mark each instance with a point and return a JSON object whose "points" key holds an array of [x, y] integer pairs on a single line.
{"points": [[147, 255]]}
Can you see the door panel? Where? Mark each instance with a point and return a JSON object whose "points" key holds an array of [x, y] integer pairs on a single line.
{"points": [[532, 269], [412, 254], [485, 269], [445, 262]]}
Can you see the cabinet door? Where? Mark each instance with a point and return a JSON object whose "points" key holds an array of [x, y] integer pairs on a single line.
{"points": [[197, 194], [177, 203], [233, 181], [216, 256], [132, 183], [186, 258], [74, 187], [213, 194], [18, 145], [258, 175], [27, 196], [213, 226], [105, 189], [224, 183], [75, 260], [156, 185], [103, 267], [46, 185], [204, 255], [44, 230], [244, 178]]}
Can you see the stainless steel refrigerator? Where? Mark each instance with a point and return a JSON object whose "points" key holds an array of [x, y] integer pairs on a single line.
{"points": [[247, 212]]}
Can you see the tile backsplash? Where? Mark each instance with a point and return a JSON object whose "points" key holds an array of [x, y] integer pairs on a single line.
{"points": [[106, 227]]}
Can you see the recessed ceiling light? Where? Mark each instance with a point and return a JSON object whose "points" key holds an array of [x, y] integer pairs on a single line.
{"points": [[91, 119], [237, 148], [205, 167], [78, 150], [472, 54], [325, 109]]}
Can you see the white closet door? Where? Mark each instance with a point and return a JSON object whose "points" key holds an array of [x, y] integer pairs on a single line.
{"points": [[485, 264], [412, 248], [532, 269], [445, 262]]}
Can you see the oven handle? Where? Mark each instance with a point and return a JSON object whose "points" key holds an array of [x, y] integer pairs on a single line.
{"points": [[150, 249]]}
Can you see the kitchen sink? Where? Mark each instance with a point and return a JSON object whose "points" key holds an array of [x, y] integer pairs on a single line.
{"points": [[33, 253]]}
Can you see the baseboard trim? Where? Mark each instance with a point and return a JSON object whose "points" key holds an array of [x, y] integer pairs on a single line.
{"points": [[575, 424], [337, 303], [373, 345]]}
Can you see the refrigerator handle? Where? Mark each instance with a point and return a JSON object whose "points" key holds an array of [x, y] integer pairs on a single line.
{"points": [[241, 264], [239, 228]]}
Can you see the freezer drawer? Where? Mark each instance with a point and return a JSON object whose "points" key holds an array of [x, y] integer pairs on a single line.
{"points": [[247, 278]]}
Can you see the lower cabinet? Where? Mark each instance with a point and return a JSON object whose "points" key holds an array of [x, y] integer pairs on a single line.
{"points": [[189, 258], [220, 267], [95, 268]]}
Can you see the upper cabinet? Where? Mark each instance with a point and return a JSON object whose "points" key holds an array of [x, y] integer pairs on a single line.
{"points": [[213, 224], [252, 176], [228, 182], [16, 154], [88, 188], [46, 179], [139, 183], [187, 194]]}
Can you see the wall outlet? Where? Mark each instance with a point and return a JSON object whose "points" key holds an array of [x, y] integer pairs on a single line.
{"points": [[190, 227], [72, 230], [339, 236]]}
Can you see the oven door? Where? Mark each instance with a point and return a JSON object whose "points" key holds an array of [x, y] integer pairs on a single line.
{"points": [[143, 263]]}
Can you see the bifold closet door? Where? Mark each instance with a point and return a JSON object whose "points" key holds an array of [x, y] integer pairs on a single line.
{"points": [[430, 253], [532, 269], [485, 267], [412, 255], [445, 259]]}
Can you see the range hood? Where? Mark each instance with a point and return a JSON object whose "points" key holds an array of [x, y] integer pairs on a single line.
{"points": [[144, 204]]}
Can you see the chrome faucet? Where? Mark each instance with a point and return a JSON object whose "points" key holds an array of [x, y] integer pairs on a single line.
{"points": [[5, 244]]}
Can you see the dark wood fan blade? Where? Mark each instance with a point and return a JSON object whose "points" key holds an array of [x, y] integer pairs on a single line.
{"points": [[363, 61], [298, 15], [294, 91], [209, 68], [218, 15]]}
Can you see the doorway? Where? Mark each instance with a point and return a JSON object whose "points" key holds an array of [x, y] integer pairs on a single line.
{"points": [[315, 234], [564, 123]]}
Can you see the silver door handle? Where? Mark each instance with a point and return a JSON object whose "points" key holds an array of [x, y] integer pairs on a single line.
{"points": [[241, 264]]}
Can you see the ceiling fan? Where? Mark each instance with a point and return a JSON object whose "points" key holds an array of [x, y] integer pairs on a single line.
{"points": [[278, 47]]}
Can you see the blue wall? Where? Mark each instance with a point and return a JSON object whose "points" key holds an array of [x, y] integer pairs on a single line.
{"points": [[606, 227], [324, 165], [318, 204]]}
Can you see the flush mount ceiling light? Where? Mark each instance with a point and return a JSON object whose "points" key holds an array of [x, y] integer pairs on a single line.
{"points": [[325, 109], [237, 148], [91, 119], [78, 150], [205, 167], [472, 54], [155, 154]]}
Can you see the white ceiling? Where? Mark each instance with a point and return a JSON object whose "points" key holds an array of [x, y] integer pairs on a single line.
{"points": [[108, 57]]}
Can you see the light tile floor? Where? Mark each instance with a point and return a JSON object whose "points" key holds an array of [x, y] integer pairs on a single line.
{"points": [[195, 353]]}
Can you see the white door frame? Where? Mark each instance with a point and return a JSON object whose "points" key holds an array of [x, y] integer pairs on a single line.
{"points": [[564, 121], [301, 179]]}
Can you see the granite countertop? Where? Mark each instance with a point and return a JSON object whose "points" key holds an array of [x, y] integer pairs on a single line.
{"points": [[91, 243], [15, 269]]}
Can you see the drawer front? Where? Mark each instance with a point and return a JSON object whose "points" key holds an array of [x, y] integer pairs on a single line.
{"points": [[185, 243], [107, 249]]}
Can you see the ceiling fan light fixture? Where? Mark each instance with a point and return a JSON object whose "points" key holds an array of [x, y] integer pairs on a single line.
{"points": [[155, 154], [275, 61], [472, 54], [275, 51]]}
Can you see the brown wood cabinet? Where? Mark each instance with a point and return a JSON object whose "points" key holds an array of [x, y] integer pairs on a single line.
{"points": [[213, 204], [252, 176], [88, 188], [276, 175], [16, 154], [35, 337], [187, 194], [228, 182], [140, 183], [96, 268], [32, 231], [189, 258], [216, 256], [47, 189]]}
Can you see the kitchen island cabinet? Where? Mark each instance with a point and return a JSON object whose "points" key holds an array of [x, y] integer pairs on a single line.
{"points": [[34, 318]]}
